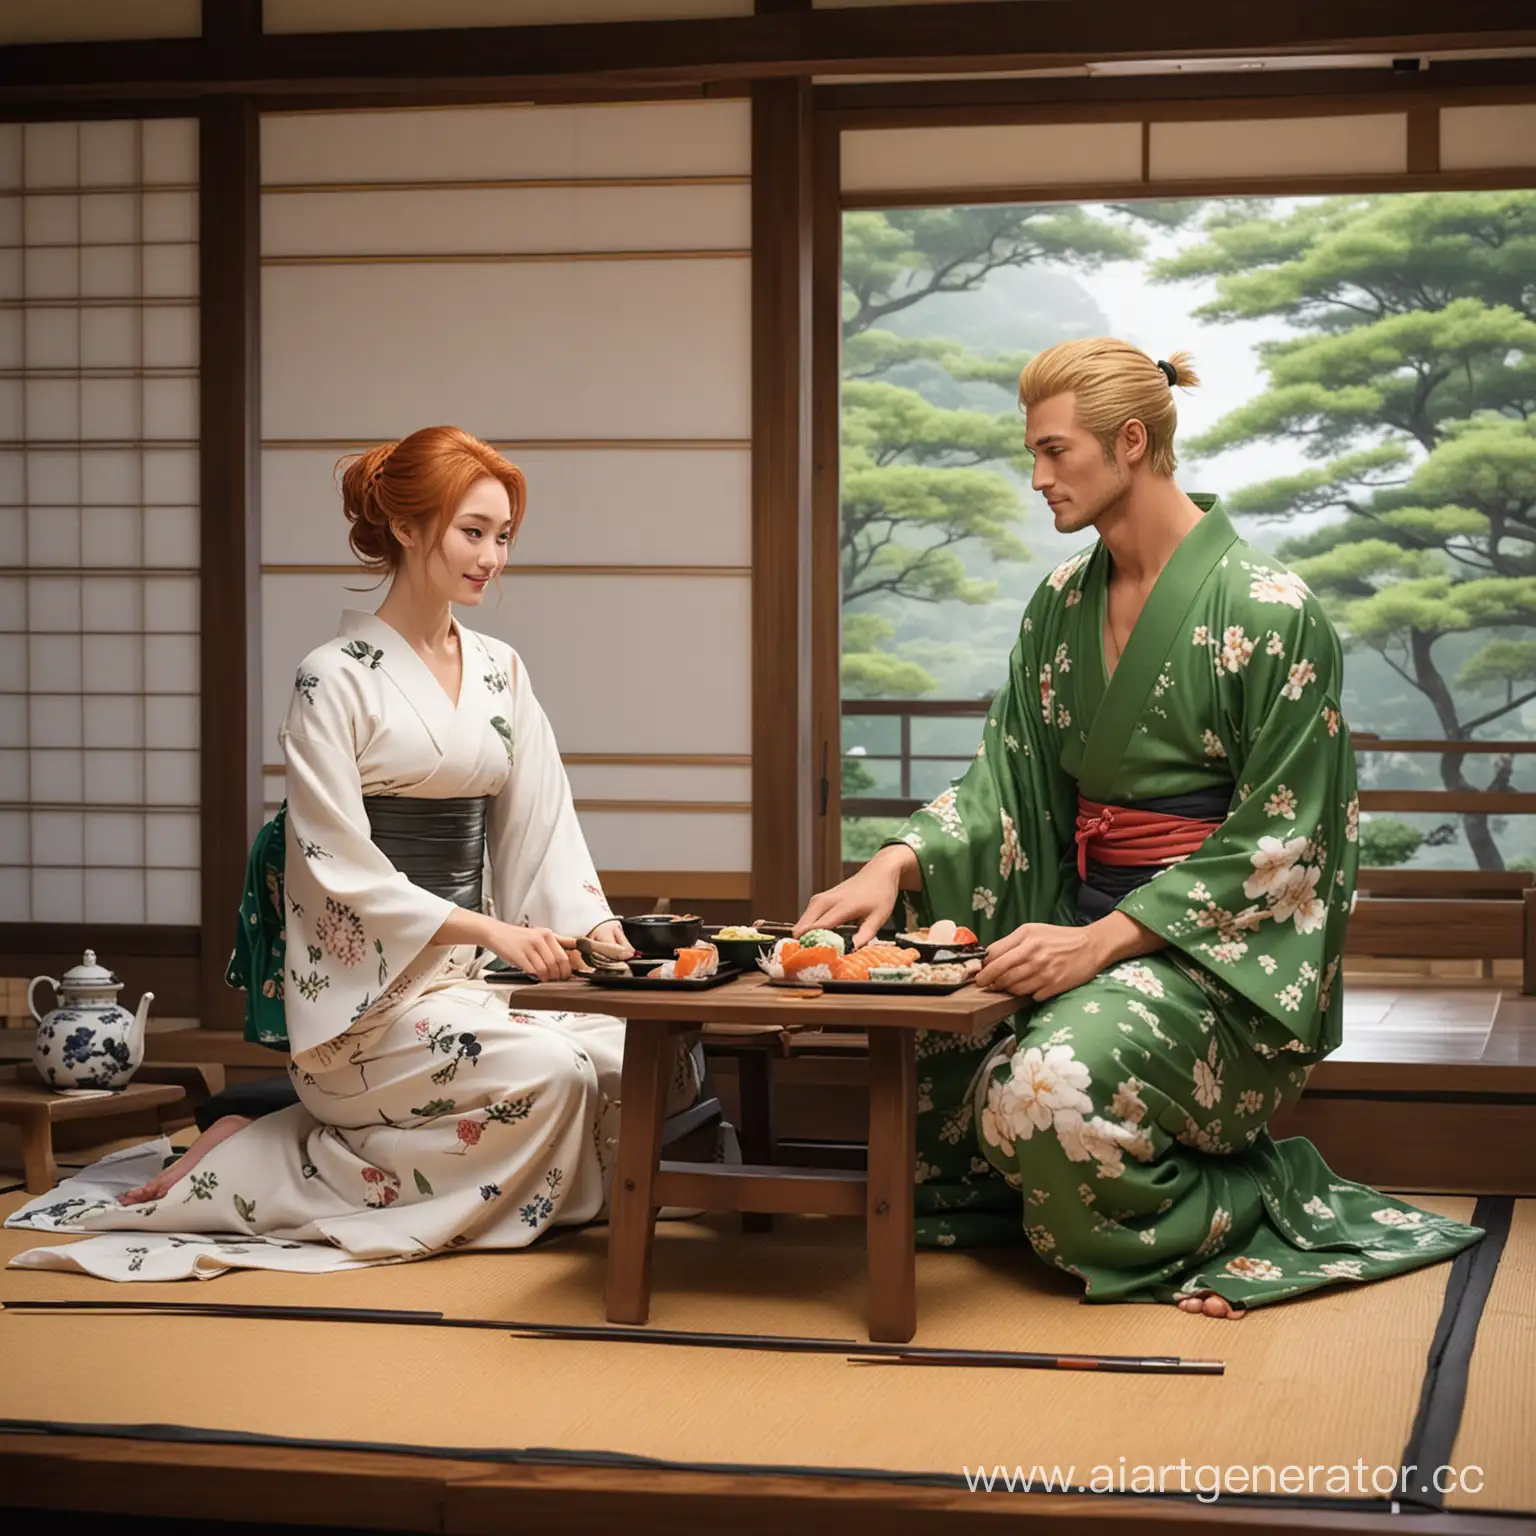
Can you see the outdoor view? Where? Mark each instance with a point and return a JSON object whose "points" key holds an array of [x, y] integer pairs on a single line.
{"points": [[1368, 412]]}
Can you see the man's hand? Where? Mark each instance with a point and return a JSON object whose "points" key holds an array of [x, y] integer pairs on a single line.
{"points": [[866, 898], [1041, 960]]}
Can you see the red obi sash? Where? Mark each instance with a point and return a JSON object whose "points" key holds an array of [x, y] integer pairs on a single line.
{"points": [[1114, 835]]}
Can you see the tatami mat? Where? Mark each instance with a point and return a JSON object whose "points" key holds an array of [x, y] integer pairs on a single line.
{"points": [[1325, 1381], [1497, 1437]]}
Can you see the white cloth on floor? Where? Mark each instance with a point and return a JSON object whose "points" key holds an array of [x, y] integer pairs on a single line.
{"points": [[389, 1183]]}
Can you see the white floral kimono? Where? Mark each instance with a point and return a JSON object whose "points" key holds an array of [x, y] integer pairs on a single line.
{"points": [[430, 1116]]}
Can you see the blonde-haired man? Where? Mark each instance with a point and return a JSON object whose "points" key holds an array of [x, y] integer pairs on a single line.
{"points": [[1158, 842]]}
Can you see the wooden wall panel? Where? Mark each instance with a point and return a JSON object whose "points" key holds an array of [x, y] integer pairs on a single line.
{"points": [[781, 495], [375, 15], [230, 536]]}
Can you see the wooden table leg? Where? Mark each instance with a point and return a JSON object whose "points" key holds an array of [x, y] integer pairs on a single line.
{"points": [[632, 1205], [892, 1155], [41, 1173], [759, 1144]]}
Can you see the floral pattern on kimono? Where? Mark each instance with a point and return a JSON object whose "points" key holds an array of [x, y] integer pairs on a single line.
{"points": [[1138, 1103]]}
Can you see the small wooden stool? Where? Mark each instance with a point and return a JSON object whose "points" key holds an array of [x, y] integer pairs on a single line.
{"points": [[37, 1109]]}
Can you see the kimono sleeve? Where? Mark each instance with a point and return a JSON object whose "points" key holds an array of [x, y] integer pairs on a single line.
{"points": [[1264, 902], [541, 872], [990, 846], [355, 922]]}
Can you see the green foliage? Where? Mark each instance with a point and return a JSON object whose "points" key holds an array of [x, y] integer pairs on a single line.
{"points": [[1386, 841], [1409, 377], [857, 779], [863, 836], [929, 425]]}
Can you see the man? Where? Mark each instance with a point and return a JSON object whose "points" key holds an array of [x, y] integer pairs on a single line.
{"points": [[1158, 842]]}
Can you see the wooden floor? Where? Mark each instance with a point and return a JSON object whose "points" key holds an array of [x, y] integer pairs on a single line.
{"points": [[1428, 1079]]}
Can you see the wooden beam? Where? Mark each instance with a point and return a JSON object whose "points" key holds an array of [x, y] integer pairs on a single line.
{"points": [[230, 650], [826, 511], [782, 795], [1182, 97], [982, 34]]}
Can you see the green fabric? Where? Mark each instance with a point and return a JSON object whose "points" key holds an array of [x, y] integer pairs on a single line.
{"points": [[256, 966], [1129, 1115]]}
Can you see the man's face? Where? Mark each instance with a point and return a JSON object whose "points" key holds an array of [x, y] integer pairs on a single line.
{"points": [[1070, 468]]}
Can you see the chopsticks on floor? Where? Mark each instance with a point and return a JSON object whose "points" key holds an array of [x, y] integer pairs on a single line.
{"points": [[852, 1350], [1158, 1365]]}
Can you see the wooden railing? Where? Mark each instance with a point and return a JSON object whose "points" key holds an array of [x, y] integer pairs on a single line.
{"points": [[1443, 801], [1466, 883]]}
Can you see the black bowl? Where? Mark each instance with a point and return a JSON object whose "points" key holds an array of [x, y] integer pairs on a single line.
{"points": [[741, 952], [661, 935]]}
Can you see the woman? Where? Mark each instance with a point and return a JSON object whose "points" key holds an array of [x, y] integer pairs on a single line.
{"points": [[429, 1117]]}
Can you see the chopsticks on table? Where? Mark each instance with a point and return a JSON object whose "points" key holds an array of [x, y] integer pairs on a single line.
{"points": [[611, 1333]]}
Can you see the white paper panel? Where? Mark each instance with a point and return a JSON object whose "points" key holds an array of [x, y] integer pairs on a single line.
{"points": [[659, 781], [1291, 146], [666, 840], [1022, 155], [172, 896], [109, 153], [569, 631], [507, 221], [609, 506], [546, 350], [50, 21], [1472, 138], [391, 15], [703, 138]]}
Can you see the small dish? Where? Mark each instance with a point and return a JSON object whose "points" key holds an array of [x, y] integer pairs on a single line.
{"points": [[743, 954]]}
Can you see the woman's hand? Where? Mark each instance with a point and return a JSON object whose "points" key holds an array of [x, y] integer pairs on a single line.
{"points": [[539, 951], [611, 933], [1042, 960], [866, 898]]}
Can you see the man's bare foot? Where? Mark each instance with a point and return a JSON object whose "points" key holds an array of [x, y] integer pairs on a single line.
{"points": [[1211, 1305], [160, 1186]]}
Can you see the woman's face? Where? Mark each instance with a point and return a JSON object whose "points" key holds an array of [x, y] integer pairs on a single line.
{"points": [[474, 546]]}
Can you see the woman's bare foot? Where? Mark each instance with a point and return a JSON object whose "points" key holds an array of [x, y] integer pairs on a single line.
{"points": [[1211, 1305], [160, 1186]]}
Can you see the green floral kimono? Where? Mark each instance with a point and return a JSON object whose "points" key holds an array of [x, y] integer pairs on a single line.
{"points": [[1130, 1113], [261, 944]]}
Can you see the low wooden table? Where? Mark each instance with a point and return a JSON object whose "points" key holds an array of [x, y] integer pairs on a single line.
{"points": [[884, 1196], [37, 1110]]}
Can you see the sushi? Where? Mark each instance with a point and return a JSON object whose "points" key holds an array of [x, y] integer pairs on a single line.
{"points": [[691, 964], [858, 965], [793, 960], [942, 932], [818, 937]]}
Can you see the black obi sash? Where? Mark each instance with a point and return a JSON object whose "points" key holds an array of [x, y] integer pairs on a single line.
{"points": [[436, 844]]}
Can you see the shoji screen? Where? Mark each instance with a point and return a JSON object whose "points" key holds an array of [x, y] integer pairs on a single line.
{"points": [[572, 285], [98, 522]]}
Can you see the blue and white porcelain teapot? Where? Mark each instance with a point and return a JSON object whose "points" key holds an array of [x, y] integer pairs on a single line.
{"points": [[88, 1041]]}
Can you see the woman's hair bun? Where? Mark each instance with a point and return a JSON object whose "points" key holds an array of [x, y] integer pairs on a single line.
{"points": [[364, 501]]}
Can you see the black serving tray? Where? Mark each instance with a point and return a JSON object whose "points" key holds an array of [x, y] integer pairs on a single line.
{"points": [[505, 975], [618, 982], [882, 988]]}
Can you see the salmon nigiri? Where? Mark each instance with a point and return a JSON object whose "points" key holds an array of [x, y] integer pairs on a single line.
{"points": [[697, 961], [857, 966], [797, 963]]}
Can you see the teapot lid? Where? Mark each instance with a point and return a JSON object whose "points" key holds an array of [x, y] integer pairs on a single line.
{"points": [[89, 974]]}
